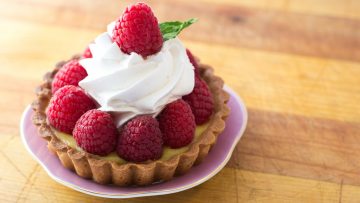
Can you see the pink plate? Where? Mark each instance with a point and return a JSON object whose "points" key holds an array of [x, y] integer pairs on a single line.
{"points": [[213, 163]]}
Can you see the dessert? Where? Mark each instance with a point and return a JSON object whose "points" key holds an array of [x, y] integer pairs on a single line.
{"points": [[135, 108]]}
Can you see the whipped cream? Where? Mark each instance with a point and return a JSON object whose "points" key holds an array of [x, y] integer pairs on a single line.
{"points": [[130, 85]]}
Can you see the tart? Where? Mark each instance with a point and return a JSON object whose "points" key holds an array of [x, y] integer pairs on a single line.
{"points": [[170, 150]]}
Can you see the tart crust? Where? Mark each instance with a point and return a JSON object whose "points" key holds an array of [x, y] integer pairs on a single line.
{"points": [[102, 171]]}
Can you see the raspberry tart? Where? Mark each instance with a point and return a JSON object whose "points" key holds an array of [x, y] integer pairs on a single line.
{"points": [[135, 108]]}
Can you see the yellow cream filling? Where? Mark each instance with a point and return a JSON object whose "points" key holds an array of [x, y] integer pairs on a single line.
{"points": [[167, 152]]}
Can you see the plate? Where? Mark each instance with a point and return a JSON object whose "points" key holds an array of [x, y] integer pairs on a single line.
{"points": [[211, 165]]}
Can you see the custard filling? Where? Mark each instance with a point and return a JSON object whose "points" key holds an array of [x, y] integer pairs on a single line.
{"points": [[167, 151]]}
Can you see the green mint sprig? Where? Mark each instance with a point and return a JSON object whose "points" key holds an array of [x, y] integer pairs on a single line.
{"points": [[170, 30]]}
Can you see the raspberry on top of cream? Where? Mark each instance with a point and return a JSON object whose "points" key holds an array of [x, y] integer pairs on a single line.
{"points": [[129, 85]]}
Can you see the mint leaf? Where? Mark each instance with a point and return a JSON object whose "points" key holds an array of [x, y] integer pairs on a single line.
{"points": [[170, 30]]}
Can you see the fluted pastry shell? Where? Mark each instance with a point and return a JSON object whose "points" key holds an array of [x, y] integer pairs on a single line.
{"points": [[103, 171]]}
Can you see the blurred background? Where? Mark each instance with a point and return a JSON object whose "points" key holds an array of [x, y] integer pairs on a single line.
{"points": [[295, 63]]}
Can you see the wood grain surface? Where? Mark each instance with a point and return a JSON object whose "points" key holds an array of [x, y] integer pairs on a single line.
{"points": [[296, 64]]}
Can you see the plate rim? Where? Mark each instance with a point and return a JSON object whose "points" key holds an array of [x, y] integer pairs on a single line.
{"points": [[151, 193]]}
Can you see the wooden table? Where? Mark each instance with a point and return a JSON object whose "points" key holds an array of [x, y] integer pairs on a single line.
{"points": [[296, 64]]}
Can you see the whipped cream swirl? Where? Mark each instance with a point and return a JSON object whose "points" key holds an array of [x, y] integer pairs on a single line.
{"points": [[130, 85]]}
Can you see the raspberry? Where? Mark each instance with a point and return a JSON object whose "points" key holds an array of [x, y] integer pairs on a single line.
{"points": [[66, 106], [138, 31], [96, 133], [87, 53], [70, 74], [200, 101], [140, 140], [193, 61], [177, 124]]}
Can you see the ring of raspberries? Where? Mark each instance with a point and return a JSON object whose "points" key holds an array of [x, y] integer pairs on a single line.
{"points": [[73, 111]]}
